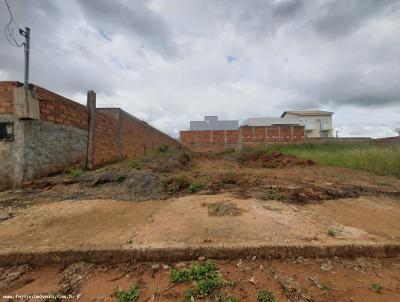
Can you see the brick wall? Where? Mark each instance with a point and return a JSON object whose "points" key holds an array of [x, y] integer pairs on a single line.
{"points": [[61, 136], [105, 139], [6, 96], [58, 109], [387, 140], [219, 140]]}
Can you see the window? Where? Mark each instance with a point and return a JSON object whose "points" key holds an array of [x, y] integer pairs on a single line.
{"points": [[324, 124], [7, 131], [308, 124]]}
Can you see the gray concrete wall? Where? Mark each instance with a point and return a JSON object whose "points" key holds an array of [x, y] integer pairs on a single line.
{"points": [[39, 148], [8, 153], [50, 148]]}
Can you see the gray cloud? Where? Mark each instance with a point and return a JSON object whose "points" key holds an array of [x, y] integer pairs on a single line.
{"points": [[134, 19], [166, 60]]}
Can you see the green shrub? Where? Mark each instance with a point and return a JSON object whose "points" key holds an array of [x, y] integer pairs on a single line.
{"points": [[205, 274], [75, 172], [376, 288], [163, 148], [266, 296], [195, 187], [128, 296], [174, 184]]}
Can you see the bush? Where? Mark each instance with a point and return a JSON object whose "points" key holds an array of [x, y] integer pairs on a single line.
{"points": [[175, 184], [128, 296], [195, 187], [206, 274], [266, 296], [163, 148], [76, 172]]}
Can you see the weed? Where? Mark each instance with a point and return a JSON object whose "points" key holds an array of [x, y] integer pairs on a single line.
{"points": [[174, 184], [273, 193], [195, 187], [163, 148], [188, 295], [221, 298], [75, 172], [120, 179], [128, 296], [332, 232], [205, 274], [223, 208], [266, 296], [377, 288], [382, 160], [229, 178]]}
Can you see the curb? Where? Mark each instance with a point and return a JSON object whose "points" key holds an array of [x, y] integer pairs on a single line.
{"points": [[175, 254]]}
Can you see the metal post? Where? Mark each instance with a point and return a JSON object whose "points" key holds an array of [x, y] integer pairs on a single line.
{"points": [[27, 35]]}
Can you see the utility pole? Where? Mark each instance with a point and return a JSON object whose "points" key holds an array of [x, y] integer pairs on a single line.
{"points": [[27, 34]]}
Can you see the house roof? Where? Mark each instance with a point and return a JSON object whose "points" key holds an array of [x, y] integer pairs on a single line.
{"points": [[268, 121], [309, 112]]}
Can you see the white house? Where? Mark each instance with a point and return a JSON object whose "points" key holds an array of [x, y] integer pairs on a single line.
{"points": [[316, 123]]}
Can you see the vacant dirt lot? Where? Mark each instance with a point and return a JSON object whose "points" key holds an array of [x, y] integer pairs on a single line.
{"points": [[177, 200], [300, 279]]}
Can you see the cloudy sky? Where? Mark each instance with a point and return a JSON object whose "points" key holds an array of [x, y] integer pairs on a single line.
{"points": [[171, 61]]}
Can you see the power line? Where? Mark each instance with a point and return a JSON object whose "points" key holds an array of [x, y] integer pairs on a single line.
{"points": [[9, 32]]}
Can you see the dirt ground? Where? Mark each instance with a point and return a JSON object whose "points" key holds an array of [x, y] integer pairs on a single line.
{"points": [[181, 200], [361, 279], [97, 224]]}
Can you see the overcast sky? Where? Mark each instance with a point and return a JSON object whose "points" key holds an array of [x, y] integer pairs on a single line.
{"points": [[171, 61]]}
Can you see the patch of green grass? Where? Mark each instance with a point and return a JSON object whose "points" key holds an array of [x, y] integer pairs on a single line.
{"points": [[382, 160], [205, 274], [75, 172], [195, 187], [266, 296], [273, 193], [332, 232], [129, 296], [377, 288]]}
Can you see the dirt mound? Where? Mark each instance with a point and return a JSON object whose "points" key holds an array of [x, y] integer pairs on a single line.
{"points": [[143, 185], [303, 195], [164, 162], [273, 160]]}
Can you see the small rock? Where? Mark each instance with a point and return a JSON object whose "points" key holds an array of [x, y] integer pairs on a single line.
{"points": [[180, 264], [202, 258], [4, 216], [254, 258], [261, 267], [327, 266], [239, 263], [155, 267], [165, 267], [253, 280]]}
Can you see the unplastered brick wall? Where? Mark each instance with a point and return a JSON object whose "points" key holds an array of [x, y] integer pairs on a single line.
{"points": [[219, 140], [105, 139], [6, 96], [58, 109], [59, 136], [133, 136]]}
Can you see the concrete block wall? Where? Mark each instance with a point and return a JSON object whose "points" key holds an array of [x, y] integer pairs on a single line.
{"points": [[60, 135], [219, 140]]}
